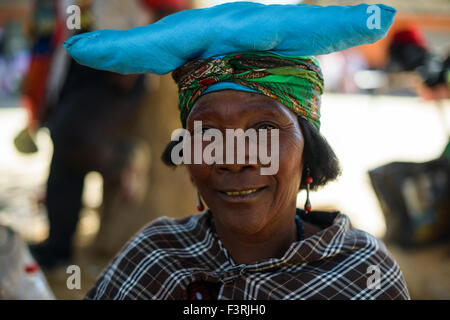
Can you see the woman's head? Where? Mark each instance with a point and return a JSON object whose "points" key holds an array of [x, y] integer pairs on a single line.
{"points": [[296, 82], [237, 194]]}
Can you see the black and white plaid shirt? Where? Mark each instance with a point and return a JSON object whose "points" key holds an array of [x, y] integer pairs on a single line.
{"points": [[168, 255]]}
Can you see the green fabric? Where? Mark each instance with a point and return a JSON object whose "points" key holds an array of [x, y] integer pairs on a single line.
{"points": [[296, 82]]}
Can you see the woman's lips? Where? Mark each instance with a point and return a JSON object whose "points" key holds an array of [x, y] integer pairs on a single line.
{"points": [[241, 195]]}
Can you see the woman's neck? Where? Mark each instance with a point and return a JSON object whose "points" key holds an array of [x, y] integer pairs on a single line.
{"points": [[271, 242]]}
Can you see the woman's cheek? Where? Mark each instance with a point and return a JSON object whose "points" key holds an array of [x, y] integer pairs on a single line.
{"points": [[199, 173], [290, 160]]}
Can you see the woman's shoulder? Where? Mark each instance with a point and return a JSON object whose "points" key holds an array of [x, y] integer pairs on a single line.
{"points": [[168, 233], [368, 264], [156, 244], [355, 240], [378, 270]]}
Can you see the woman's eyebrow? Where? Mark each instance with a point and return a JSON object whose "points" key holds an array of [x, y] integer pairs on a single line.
{"points": [[269, 109]]}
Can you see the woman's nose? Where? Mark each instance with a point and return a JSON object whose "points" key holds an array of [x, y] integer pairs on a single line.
{"points": [[236, 162], [235, 167], [241, 154]]}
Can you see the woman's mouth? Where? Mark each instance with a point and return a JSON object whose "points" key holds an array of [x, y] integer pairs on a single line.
{"points": [[241, 195]]}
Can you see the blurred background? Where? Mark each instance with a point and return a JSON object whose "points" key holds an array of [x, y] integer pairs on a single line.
{"points": [[80, 149]]}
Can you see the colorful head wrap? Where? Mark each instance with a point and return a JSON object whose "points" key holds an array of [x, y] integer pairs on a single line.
{"points": [[296, 82]]}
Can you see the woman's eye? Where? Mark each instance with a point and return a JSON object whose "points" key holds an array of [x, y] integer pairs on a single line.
{"points": [[266, 126]]}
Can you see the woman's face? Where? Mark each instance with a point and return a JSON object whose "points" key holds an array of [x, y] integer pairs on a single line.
{"points": [[274, 201]]}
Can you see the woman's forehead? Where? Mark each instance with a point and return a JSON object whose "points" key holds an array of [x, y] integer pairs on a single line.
{"points": [[237, 103]]}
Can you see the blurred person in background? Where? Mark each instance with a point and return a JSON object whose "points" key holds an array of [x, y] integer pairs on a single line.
{"points": [[408, 51], [84, 110], [44, 31], [13, 60]]}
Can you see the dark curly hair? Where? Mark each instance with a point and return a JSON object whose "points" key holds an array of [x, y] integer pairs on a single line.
{"points": [[319, 157]]}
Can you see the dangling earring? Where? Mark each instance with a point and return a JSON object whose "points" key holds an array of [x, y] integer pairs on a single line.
{"points": [[308, 181], [200, 206]]}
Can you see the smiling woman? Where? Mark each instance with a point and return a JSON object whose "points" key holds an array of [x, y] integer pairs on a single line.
{"points": [[244, 202], [252, 242], [258, 225]]}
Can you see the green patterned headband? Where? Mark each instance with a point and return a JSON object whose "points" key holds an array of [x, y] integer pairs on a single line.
{"points": [[296, 82]]}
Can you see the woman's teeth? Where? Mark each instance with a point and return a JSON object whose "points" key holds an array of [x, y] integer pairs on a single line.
{"points": [[240, 193]]}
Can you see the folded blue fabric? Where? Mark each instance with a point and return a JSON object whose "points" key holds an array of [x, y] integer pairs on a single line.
{"points": [[288, 30], [228, 85]]}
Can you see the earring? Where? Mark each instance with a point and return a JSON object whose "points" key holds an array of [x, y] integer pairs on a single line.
{"points": [[200, 206], [308, 181]]}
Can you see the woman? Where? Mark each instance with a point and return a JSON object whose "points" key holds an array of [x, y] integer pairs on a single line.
{"points": [[252, 242]]}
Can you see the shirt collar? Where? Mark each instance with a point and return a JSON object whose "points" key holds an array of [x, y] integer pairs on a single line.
{"points": [[326, 243]]}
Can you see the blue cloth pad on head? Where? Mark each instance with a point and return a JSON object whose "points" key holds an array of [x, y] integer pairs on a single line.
{"points": [[227, 85], [287, 30]]}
